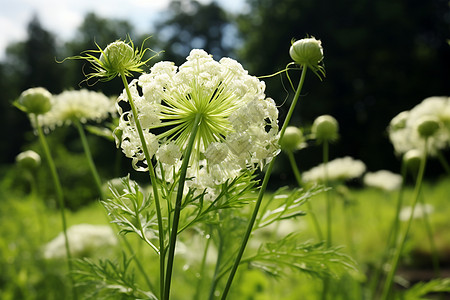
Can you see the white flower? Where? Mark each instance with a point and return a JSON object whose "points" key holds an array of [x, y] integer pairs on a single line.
{"points": [[419, 212], [383, 179], [82, 105], [238, 125], [403, 128], [339, 169], [84, 239]]}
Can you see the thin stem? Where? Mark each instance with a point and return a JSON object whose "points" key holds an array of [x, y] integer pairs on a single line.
{"points": [[394, 265], [443, 161], [298, 177], [325, 153], [216, 269], [202, 267], [59, 195], [262, 190], [152, 175], [176, 214]]}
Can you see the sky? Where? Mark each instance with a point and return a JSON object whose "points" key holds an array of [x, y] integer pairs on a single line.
{"points": [[62, 17]]}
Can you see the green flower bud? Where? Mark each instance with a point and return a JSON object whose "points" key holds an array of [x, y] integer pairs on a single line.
{"points": [[307, 52], [412, 160], [35, 101], [118, 57], [427, 126], [28, 160], [325, 128], [292, 139]]}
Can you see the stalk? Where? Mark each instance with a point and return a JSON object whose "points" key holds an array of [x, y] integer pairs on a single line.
{"points": [[262, 190], [152, 175], [394, 265], [59, 196], [176, 214]]}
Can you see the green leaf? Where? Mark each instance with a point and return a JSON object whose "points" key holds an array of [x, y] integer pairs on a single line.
{"points": [[420, 290]]}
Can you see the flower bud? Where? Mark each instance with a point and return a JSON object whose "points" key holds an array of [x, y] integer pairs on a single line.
{"points": [[28, 159], [427, 125], [307, 52], [117, 57], [412, 160], [325, 128], [35, 101], [292, 139]]}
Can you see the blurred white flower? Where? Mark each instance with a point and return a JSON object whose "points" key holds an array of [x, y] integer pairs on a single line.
{"points": [[82, 105], [403, 127], [383, 179], [85, 240], [238, 124], [419, 212], [339, 169]]}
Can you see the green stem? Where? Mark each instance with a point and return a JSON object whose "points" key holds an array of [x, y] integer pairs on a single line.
{"points": [[298, 177], [326, 280], [262, 190], [443, 161], [177, 211], [393, 233], [216, 269], [153, 182], [59, 195], [399, 249], [202, 267]]}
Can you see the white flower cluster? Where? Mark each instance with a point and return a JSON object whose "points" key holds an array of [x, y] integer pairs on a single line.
{"points": [[85, 240], [420, 211], [339, 169], [383, 179], [83, 105], [238, 124], [403, 127]]}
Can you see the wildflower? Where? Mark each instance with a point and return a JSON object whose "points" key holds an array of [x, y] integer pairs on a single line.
{"points": [[85, 241], [293, 139], [308, 52], [383, 179], [82, 105], [325, 128], [403, 129], [28, 159], [339, 169], [238, 125], [420, 211], [35, 101], [119, 57]]}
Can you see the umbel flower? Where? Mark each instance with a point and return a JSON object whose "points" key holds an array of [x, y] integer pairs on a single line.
{"points": [[238, 125], [430, 119], [383, 179], [82, 105], [339, 169]]}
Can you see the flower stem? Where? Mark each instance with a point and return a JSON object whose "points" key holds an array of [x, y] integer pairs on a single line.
{"points": [[177, 211], [325, 153], [59, 195], [393, 268], [202, 266], [152, 175], [298, 177], [263, 189]]}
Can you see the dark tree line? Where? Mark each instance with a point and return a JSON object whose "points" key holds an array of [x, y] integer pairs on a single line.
{"points": [[381, 57]]}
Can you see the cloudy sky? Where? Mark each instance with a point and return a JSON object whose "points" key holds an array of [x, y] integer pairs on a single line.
{"points": [[62, 17]]}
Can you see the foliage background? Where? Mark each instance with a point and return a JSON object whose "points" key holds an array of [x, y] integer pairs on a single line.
{"points": [[381, 57]]}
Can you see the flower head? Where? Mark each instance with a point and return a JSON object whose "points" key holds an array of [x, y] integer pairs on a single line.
{"points": [[238, 125], [292, 139], [119, 57], [82, 105], [308, 52], [28, 159], [325, 128], [339, 169], [35, 101], [383, 179]]}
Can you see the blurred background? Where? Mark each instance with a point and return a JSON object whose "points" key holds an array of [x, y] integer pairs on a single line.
{"points": [[381, 57]]}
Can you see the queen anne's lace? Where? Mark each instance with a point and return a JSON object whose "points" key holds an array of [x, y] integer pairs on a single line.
{"points": [[238, 125], [82, 105], [339, 169]]}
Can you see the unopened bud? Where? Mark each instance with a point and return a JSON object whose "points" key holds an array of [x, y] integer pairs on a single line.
{"points": [[307, 52], [118, 57], [412, 160], [28, 159], [325, 128], [35, 101], [292, 139], [427, 125]]}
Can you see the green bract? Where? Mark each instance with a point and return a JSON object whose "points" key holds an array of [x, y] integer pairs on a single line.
{"points": [[35, 101], [325, 128]]}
